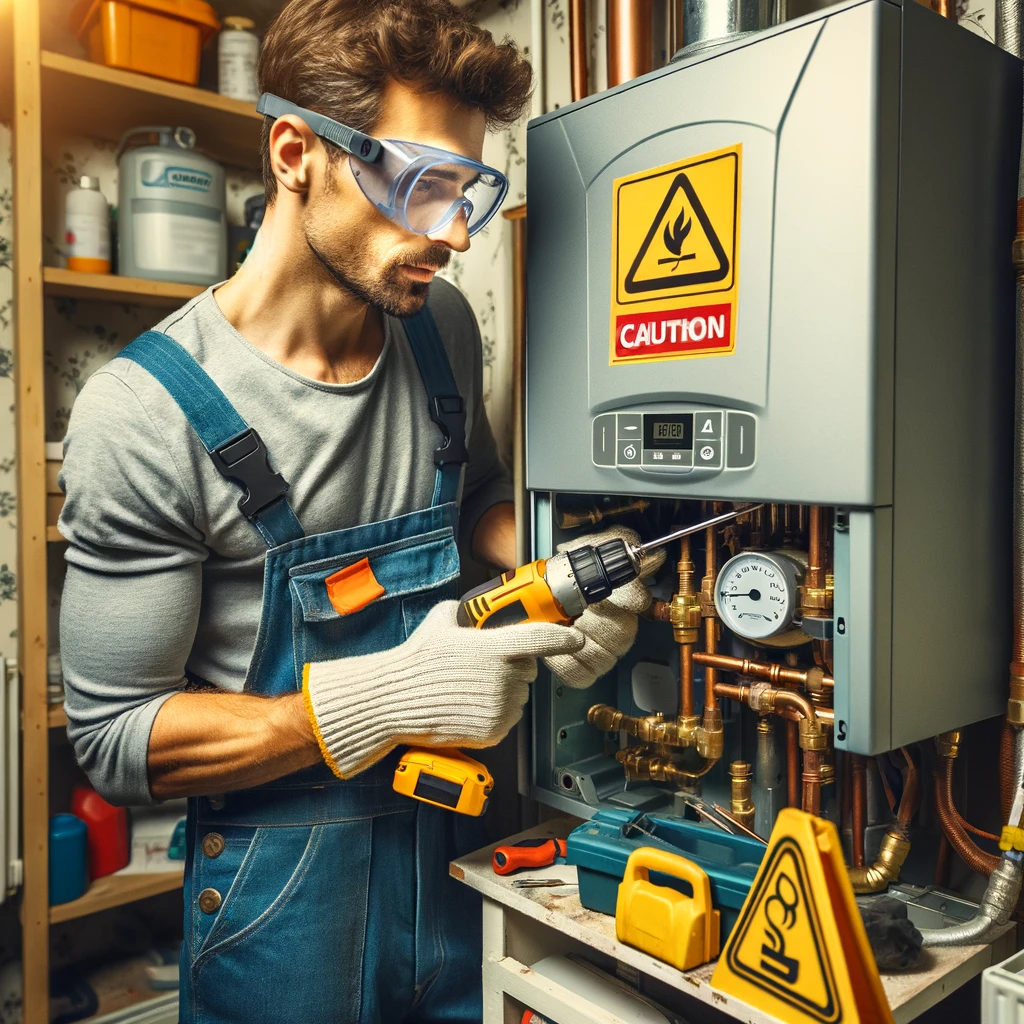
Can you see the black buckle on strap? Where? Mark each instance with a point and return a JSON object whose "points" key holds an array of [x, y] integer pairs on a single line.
{"points": [[449, 413], [245, 459]]}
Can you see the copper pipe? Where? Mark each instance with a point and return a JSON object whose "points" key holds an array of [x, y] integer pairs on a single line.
{"points": [[711, 622], [774, 520], [845, 801], [910, 799], [816, 554], [686, 573], [975, 859], [859, 787], [792, 764], [779, 698], [578, 49], [812, 679], [942, 863], [811, 797], [686, 680], [826, 716], [630, 39]]}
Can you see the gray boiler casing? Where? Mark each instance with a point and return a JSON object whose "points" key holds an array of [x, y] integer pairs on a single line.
{"points": [[874, 354]]}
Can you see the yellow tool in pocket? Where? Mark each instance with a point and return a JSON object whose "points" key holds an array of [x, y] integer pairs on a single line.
{"points": [[445, 778], [684, 931]]}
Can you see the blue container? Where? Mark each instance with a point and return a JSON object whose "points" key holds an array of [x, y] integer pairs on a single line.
{"points": [[69, 863], [600, 848]]}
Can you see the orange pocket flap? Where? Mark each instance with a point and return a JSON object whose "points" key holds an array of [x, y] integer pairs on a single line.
{"points": [[353, 588]]}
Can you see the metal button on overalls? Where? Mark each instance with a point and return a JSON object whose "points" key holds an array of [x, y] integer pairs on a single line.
{"points": [[213, 844], [209, 901], [337, 907]]}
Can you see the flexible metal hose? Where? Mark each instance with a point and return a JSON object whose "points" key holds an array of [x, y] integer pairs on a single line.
{"points": [[1000, 897], [1008, 25], [975, 859]]}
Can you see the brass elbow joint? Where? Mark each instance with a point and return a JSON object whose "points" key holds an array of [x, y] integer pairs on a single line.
{"points": [[812, 734], [886, 869]]}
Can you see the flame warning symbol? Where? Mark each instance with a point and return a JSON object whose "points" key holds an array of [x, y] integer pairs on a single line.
{"points": [[681, 248], [675, 237]]}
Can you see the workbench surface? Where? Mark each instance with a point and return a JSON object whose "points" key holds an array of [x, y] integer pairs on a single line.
{"points": [[910, 993]]}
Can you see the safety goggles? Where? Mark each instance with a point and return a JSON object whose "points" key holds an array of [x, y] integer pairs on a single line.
{"points": [[419, 187]]}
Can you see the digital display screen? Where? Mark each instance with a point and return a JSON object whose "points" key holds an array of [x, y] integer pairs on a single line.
{"points": [[668, 431]]}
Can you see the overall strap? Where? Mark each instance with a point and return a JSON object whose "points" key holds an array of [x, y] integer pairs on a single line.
{"points": [[447, 408], [237, 450]]}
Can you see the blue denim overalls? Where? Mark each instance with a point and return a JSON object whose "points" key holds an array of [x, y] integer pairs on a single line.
{"points": [[312, 899]]}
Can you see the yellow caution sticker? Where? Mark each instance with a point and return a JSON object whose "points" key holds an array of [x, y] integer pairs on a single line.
{"points": [[675, 250], [799, 951]]}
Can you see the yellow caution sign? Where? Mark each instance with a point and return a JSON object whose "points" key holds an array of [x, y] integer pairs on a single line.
{"points": [[798, 950], [675, 249]]}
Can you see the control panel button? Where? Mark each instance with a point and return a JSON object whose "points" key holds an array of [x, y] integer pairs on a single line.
{"points": [[604, 440], [707, 426], [741, 440], [667, 459], [707, 454], [631, 427], [629, 453]]}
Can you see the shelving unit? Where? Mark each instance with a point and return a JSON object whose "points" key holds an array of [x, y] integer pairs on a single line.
{"points": [[114, 288], [115, 891], [46, 91]]}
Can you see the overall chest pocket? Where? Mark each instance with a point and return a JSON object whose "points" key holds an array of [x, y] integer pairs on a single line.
{"points": [[368, 601]]}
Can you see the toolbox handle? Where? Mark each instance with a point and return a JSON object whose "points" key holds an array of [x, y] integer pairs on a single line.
{"points": [[645, 859]]}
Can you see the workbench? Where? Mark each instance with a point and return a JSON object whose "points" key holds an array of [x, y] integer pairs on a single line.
{"points": [[522, 926]]}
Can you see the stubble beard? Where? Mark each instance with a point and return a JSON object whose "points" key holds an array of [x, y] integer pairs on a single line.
{"points": [[386, 291]]}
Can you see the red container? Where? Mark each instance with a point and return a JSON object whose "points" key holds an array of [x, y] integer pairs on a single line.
{"points": [[109, 845]]}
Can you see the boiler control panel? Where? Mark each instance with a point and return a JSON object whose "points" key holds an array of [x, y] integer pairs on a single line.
{"points": [[675, 442]]}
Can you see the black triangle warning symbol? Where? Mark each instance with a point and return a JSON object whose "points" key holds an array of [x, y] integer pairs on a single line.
{"points": [[671, 243]]}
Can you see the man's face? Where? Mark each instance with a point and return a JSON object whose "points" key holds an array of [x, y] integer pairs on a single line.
{"points": [[374, 258]]}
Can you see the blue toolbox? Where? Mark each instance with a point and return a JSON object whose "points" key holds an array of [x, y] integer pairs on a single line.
{"points": [[600, 848]]}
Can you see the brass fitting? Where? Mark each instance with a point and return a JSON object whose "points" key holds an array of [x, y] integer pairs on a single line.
{"points": [[673, 732], [886, 869], [685, 615], [948, 744], [740, 804], [711, 734], [816, 602], [641, 766], [813, 735], [1015, 705]]}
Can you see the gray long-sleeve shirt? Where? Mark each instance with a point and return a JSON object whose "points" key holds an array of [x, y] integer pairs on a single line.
{"points": [[164, 573]]}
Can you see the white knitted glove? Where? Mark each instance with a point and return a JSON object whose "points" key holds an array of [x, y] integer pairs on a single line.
{"points": [[608, 627], [446, 686]]}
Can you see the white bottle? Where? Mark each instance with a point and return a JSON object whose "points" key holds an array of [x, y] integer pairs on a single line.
{"points": [[87, 228], [237, 50]]}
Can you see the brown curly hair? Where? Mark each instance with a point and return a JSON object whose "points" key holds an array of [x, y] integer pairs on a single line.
{"points": [[336, 57]]}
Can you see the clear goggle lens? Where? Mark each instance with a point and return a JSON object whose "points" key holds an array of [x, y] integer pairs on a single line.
{"points": [[424, 188]]}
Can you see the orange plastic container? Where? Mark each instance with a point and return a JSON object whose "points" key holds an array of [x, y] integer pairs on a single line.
{"points": [[155, 37]]}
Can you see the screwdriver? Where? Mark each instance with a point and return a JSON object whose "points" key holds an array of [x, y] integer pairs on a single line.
{"points": [[527, 853], [559, 588]]}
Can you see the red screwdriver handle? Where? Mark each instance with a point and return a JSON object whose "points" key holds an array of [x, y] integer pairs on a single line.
{"points": [[527, 853]]}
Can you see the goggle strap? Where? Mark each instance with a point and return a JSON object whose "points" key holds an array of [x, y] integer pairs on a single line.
{"points": [[355, 143]]}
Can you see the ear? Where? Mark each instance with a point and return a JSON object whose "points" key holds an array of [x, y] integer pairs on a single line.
{"points": [[294, 149]]}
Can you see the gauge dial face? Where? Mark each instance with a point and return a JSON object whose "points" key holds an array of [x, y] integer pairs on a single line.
{"points": [[756, 594]]}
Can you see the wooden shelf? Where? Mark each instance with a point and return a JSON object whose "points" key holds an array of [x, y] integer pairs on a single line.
{"points": [[79, 95], [115, 890], [114, 288], [55, 716], [53, 535]]}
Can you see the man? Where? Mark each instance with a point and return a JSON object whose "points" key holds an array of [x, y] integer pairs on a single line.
{"points": [[263, 502]]}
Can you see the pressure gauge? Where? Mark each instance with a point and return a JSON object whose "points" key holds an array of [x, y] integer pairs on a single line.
{"points": [[756, 593]]}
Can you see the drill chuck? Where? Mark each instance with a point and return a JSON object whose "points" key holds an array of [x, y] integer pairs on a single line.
{"points": [[598, 571]]}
